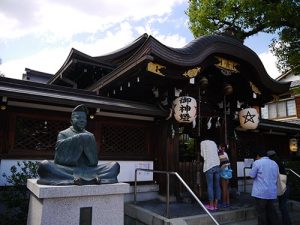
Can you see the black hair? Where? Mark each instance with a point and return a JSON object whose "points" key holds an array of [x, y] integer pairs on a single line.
{"points": [[261, 153]]}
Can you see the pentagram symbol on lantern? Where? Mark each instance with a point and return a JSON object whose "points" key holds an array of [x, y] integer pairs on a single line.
{"points": [[249, 118]]}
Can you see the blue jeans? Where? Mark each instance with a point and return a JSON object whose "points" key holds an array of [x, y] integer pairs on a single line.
{"points": [[213, 183]]}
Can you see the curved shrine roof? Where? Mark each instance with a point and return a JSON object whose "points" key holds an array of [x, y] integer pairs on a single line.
{"points": [[194, 54], [204, 52]]}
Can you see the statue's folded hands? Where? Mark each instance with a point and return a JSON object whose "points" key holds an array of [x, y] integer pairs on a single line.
{"points": [[76, 157]]}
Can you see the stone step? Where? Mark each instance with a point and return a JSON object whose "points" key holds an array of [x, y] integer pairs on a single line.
{"points": [[295, 217], [246, 222], [135, 214]]}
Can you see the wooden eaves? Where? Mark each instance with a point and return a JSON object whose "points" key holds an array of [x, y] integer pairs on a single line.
{"points": [[51, 94]]}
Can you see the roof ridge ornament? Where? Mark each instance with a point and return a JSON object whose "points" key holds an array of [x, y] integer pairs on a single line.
{"points": [[155, 68], [226, 64], [192, 72], [254, 88]]}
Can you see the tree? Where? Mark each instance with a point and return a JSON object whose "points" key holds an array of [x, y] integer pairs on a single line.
{"points": [[287, 50], [244, 18], [15, 198]]}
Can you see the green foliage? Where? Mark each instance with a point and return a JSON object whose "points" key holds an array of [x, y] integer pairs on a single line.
{"points": [[16, 197], [287, 50], [244, 18], [187, 150], [295, 90]]}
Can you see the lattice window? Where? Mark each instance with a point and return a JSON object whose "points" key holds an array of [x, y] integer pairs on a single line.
{"points": [[37, 134], [124, 140]]}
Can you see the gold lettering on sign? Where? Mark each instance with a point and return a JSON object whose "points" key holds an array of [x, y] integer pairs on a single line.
{"points": [[155, 68], [226, 64], [254, 88], [192, 72]]}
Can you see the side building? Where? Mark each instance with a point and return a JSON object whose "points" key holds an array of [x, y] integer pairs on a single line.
{"points": [[286, 107]]}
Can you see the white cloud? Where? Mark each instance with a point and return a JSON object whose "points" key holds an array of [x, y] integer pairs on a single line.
{"points": [[269, 61], [47, 60], [112, 41], [95, 27], [62, 19], [171, 40], [50, 60]]}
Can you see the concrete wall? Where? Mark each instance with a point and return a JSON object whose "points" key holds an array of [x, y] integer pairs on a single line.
{"points": [[127, 170]]}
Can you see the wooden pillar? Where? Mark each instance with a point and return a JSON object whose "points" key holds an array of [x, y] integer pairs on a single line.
{"points": [[233, 161], [297, 102], [166, 154]]}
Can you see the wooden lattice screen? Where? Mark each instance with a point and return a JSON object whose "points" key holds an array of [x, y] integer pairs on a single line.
{"points": [[124, 140], [37, 134]]}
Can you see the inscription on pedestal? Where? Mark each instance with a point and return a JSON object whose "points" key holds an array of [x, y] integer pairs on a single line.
{"points": [[85, 216]]}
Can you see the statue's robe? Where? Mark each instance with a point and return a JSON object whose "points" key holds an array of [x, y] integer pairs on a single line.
{"points": [[76, 162]]}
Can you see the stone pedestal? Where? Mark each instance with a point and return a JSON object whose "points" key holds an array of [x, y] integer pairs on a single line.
{"points": [[76, 205]]}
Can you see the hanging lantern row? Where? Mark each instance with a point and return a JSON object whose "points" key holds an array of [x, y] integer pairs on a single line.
{"points": [[249, 118], [185, 109]]}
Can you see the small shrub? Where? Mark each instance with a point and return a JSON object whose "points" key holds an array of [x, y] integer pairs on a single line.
{"points": [[16, 197]]}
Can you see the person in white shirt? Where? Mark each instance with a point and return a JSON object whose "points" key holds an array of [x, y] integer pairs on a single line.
{"points": [[211, 168]]}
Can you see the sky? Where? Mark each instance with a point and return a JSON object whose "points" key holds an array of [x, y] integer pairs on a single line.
{"points": [[39, 34]]}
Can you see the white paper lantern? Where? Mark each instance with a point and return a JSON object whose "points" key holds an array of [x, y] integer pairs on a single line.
{"points": [[185, 109], [293, 145], [249, 118]]}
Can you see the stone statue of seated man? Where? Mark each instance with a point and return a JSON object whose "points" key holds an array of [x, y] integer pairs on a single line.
{"points": [[76, 157]]}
